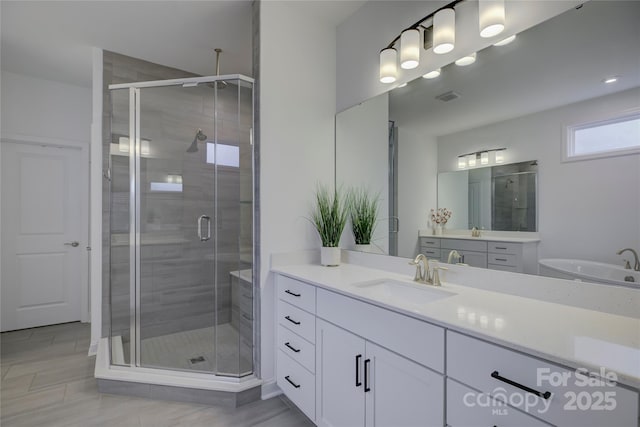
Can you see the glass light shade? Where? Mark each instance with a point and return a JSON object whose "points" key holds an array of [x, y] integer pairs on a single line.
{"points": [[444, 31], [491, 17], [471, 160], [484, 158], [123, 144], [462, 162], [144, 149], [505, 41], [432, 74], [466, 60], [500, 156], [388, 66], [409, 49]]}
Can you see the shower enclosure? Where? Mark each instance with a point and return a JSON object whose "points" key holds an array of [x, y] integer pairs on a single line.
{"points": [[181, 226]]}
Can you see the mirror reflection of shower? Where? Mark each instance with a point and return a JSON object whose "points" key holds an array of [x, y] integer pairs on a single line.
{"points": [[200, 136]]}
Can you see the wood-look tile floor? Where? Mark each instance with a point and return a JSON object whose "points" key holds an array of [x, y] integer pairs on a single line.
{"points": [[47, 380]]}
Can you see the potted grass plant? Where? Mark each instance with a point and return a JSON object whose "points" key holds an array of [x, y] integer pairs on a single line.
{"points": [[363, 212], [329, 218]]}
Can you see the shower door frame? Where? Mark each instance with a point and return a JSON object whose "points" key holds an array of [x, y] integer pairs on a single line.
{"points": [[134, 218]]}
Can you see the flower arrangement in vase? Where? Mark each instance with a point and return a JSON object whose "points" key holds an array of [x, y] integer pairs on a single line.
{"points": [[439, 218]]}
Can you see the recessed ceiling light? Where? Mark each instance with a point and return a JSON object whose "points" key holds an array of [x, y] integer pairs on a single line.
{"points": [[432, 74], [505, 41], [466, 60], [610, 80], [403, 84]]}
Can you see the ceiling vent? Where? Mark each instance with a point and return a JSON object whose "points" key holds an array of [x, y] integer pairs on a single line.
{"points": [[448, 96]]}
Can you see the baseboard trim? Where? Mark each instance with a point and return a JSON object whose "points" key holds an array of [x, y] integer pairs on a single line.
{"points": [[270, 389]]}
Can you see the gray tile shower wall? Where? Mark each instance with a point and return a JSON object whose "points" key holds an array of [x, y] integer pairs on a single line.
{"points": [[177, 269]]}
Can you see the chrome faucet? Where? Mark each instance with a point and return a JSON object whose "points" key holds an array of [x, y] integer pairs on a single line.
{"points": [[636, 265], [423, 274]]}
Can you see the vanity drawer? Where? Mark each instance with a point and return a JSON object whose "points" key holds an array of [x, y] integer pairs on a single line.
{"points": [[297, 348], [297, 293], [414, 339], [503, 259], [464, 245], [298, 321], [430, 252], [477, 363], [504, 248], [471, 408], [429, 242], [298, 384]]}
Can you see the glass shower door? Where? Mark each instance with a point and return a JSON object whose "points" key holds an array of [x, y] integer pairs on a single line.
{"points": [[190, 228]]}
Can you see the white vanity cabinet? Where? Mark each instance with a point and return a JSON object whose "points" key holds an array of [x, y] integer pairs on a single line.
{"points": [[544, 390], [514, 256], [296, 335], [361, 383]]}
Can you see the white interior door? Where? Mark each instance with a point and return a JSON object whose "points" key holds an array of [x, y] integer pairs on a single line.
{"points": [[42, 250]]}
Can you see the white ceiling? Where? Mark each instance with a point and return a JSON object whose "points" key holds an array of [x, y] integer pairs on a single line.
{"points": [[53, 39], [558, 62]]}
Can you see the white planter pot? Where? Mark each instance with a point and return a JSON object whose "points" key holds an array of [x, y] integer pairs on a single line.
{"points": [[363, 248], [330, 256]]}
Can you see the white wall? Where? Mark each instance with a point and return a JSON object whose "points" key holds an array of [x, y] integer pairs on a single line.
{"points": [[418, 157], [453, 191], [362, 161], [372, 27], [44, 108], [297, 108], [587, 209]]}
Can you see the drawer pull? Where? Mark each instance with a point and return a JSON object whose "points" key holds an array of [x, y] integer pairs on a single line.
{"points": [[358, 382], [291, 320], [291, 382], [500, 247], [366, 375], [501, 259], [544, 395], [295, 350], [292, 293]]}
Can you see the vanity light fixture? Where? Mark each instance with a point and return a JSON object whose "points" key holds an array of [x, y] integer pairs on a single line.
{"points": [[388, 68], [444, 31], [410, 48], [466, 60], [462, 162], [506, 41], [439, 33], [471, 160], [491, 17], [432, 74], [484, 158]]}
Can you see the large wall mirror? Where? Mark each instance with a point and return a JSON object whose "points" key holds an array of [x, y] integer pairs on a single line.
{"points": [[522, 97]]}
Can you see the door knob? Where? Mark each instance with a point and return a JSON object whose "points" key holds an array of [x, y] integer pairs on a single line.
{"points": [[74, 244]]}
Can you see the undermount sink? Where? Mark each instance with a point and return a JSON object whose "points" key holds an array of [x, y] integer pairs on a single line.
{"points": [[391, 289]]}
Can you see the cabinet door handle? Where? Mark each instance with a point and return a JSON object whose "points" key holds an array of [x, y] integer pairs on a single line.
{"points": [[291, 320], [358, 382], [295, 350], [500, 247], [501, 259], [545, 395], [291, 293], [291, 382], [366, 375]]}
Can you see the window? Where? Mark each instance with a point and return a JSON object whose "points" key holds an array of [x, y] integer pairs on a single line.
{"points": [[227, 155], [615, 136]]}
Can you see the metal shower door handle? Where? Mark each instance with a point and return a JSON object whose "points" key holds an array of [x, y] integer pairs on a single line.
{"points": [[200, 236]]}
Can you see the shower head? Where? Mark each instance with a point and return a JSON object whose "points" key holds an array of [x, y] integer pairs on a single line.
{"points": [[200, 136]]}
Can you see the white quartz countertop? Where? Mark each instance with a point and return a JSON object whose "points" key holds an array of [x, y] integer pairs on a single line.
{"points": [[572, 336], [485, 236]]}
